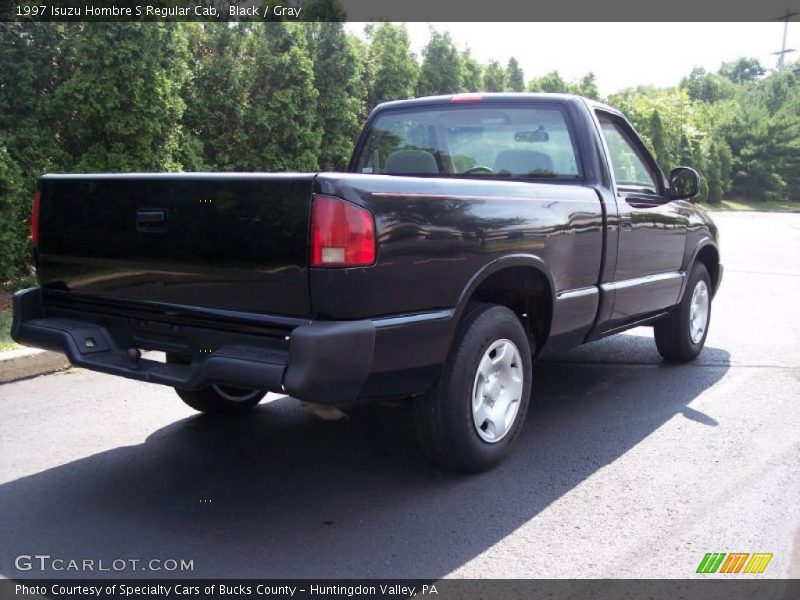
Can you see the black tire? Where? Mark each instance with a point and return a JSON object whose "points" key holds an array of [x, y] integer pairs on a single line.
{"points": [[218, 399], [445, 426], [673, 334]]}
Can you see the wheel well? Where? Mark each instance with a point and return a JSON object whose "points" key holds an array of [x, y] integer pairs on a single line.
{"points": [[526, 291], [709, 256]]}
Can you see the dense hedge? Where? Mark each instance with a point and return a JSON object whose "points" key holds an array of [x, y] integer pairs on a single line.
{"points": [[275, 96]]}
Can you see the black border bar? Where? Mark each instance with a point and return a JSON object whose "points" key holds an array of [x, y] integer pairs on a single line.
{"points": [[724, 588], [537, 12]]}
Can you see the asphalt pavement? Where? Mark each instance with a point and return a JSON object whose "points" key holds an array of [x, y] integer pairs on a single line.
{"points": [[627, 467]]}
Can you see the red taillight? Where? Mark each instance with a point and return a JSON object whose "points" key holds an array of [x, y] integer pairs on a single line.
{"points": [[37, 200], [342, 234], [467, 98]]}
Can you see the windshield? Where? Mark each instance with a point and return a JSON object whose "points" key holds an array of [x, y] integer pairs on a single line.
{"points": [[471, 141]]}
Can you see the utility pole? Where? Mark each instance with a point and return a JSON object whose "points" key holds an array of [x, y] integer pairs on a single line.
{"points": [[784, 51]]}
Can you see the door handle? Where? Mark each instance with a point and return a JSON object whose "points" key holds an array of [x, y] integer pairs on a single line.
{"points": [[151, 220]]}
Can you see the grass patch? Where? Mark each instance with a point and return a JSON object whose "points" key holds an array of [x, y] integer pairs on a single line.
{"points": [[772, 205], [6, 289], [6, 343]]}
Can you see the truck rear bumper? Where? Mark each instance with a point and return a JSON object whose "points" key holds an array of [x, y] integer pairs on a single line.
{"points": [[319, 361]]}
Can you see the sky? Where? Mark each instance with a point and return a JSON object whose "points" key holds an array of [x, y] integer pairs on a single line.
{"points": [[620, 54]]}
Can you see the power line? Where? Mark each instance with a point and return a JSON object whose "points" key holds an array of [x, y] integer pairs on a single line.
{"points": [[784, 51]]}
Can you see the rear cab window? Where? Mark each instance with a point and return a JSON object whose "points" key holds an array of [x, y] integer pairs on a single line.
{"points": [[488, 141]]}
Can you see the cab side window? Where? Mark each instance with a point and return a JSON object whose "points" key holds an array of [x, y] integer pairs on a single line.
{"points": [[632, 171]]}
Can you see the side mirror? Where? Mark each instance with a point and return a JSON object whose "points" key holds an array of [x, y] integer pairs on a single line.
{"points": [[684, 183]]}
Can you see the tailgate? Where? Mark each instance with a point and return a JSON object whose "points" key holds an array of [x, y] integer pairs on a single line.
{"points": [[236, 242]]}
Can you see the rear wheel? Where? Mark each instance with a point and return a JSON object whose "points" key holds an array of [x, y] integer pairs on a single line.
{"points": [[472, 417], [218, 399], [682, 335]]}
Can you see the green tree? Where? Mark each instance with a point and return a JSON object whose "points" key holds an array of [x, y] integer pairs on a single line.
{"points": [[707, 87], [676, 117], [440, 72], [725, 165], [515, 76], [32, 66], [587, 86], [686, 157], [754, 169], [743, 70], [323, 11], [281, 131], [14, 218], [391, 70], [471, 73], [658, 141], [785, 121], [700, 166], [762, 130], [550, 82], [714, 175], [219, 94], [553, 82], [31, 69], [494, 77], [121, 107], [775, 92], [338, 79]]}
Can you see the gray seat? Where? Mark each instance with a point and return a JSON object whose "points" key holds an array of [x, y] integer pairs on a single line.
{"points": [[410, 162], [522, 162]]}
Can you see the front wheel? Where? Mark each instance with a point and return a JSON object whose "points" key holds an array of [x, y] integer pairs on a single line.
{"points": [[682, 334], [218, 399], [472, 417]]}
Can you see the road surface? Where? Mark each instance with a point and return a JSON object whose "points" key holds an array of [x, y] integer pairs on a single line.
{"points": [[627, 467]]}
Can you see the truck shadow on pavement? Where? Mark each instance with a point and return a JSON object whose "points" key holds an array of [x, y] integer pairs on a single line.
{"points": [[282, 494]]}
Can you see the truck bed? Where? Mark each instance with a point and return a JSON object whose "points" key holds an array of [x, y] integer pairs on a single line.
{"points": [[226, 241]]}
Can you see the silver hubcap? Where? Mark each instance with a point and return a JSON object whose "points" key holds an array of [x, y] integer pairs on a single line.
{"points": [[497, 391], [698, 312], [234, 394]]}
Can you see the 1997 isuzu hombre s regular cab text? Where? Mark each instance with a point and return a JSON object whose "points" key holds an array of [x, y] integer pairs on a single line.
{"points": [[471, 234]]}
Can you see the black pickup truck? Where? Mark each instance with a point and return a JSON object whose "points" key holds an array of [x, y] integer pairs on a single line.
{"points": [[470, 235]]}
